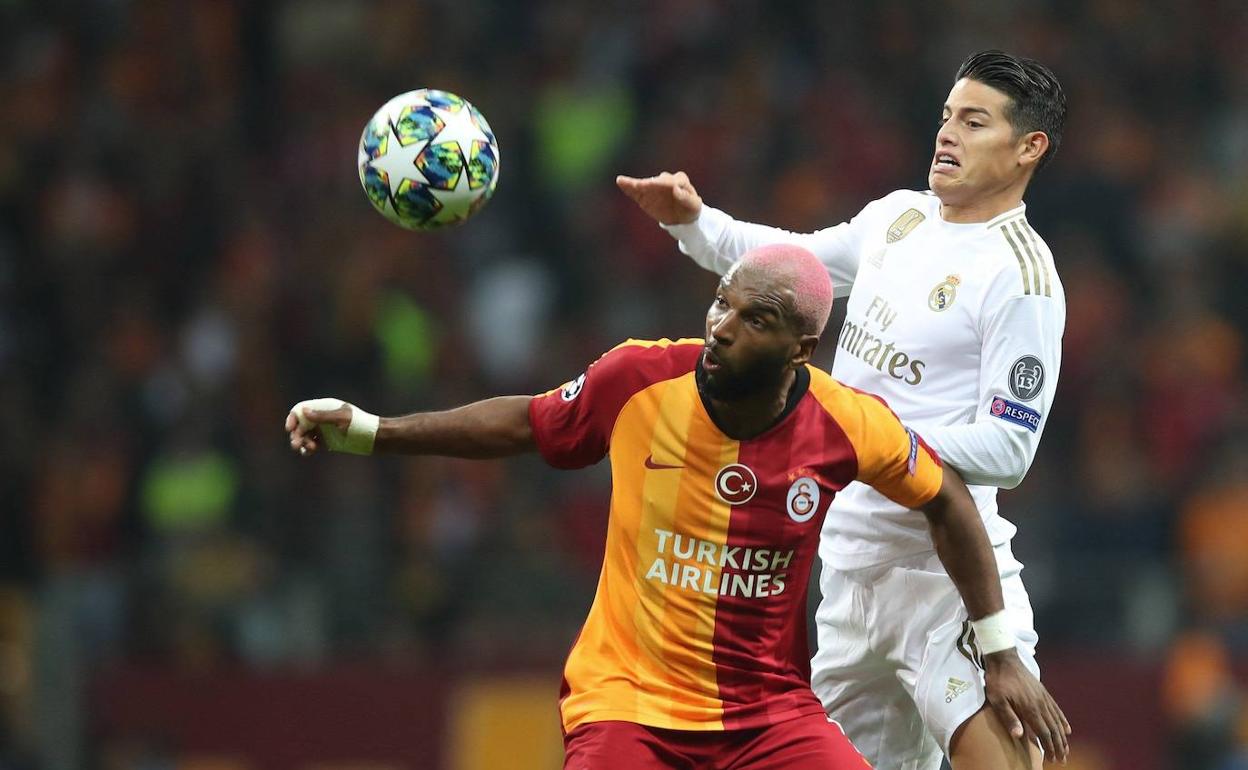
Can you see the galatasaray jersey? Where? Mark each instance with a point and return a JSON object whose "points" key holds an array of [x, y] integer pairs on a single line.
{"points": [[957, 326], [698, 622]]}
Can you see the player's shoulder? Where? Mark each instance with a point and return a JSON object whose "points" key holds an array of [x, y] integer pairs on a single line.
{"points": [[897, 214], [849, 406], [1019, 259], [922, 203], [638, 361], [923, 199], [630, 367], [684, 350]]}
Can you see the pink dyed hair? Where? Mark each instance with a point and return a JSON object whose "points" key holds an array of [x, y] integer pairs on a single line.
{"points": [[801, 271]]}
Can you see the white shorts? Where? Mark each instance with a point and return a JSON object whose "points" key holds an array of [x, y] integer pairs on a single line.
{"points": [[897, 666]]}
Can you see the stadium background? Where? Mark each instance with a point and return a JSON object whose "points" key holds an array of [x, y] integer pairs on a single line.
{"points": [[185, 252]]}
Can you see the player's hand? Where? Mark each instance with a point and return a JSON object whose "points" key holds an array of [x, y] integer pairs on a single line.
{"points": [[669, 198], [304, 422], [1024, 706]]}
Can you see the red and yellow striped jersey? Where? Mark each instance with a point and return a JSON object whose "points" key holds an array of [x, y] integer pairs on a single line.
{"points": [[698, 622]]}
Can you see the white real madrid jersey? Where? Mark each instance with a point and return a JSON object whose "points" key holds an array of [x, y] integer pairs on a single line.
{"points": [[957, 326]]}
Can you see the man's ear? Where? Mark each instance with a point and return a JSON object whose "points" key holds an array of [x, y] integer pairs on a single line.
{"points": [[806, 345], [1031, 148]]}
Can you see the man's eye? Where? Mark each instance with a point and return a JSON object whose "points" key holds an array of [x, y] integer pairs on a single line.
{"points": [[757, 322], [720, 301], [974, 124]]}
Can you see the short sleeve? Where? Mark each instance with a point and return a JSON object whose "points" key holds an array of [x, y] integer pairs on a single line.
{"points": [[893, 458], [573, 423]]}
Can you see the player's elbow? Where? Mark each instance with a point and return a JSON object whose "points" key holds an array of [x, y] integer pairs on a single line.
{"points": [[1012, 480], [1015, 461], [1001, 459]]}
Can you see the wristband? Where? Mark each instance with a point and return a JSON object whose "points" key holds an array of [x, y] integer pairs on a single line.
{"points": [[360, 433], [993, 633]]}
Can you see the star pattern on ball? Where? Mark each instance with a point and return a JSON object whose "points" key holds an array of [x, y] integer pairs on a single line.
{"points": [[399, 162], [461, 129]]}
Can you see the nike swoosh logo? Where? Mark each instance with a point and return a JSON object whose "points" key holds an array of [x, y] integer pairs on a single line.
{"points": [[652, 465]]}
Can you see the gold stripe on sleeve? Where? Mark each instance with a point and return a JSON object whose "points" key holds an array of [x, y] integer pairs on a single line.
{"points": [[1031, 256], [1022, 266], [1031, 236]]}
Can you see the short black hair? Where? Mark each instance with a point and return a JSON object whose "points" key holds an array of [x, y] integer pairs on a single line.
{"points": [[1037, 101]]}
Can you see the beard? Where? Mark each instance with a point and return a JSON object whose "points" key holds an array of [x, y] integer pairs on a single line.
{"points": [[763, 374]]}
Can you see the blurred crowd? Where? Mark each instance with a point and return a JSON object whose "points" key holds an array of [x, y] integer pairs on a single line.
{"points": [[185, 252]]}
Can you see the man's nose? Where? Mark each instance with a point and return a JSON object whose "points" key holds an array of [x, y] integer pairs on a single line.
{"points": [[724, 329]]}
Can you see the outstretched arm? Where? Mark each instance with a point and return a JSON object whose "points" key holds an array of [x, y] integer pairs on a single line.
{"points": [[495, 427], [716, 241], [1023, 705]]}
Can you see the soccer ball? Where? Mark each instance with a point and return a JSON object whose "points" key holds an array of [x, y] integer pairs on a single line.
{"points": [[428, 159]]}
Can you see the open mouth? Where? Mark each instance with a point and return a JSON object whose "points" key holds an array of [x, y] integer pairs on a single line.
{"points": [[945, 160], [709, 362]]}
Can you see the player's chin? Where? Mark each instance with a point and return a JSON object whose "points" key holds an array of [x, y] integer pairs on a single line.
{"points": [[712, 383], [720, 386], [946, 187]]}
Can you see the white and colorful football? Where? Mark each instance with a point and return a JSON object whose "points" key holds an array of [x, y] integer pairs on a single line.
{"points": [[428, 159]]}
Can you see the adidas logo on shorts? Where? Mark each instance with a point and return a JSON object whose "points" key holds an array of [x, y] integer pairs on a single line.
{"points": [[954, 688]]}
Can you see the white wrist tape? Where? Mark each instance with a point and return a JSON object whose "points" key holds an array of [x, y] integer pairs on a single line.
{"points": [[993, 633], [360, 434]]}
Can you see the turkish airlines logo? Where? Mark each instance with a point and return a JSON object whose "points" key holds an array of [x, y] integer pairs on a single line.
{"points": [[735, 484], [803, 500]]}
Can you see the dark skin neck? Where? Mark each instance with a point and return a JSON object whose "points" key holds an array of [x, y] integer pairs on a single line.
{"points": [[748, 417]]}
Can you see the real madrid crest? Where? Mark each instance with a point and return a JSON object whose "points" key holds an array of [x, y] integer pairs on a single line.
{"points": [[943, 295], [903, 224]]}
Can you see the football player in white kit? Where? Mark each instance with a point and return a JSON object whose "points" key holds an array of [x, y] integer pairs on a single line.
{"points": [[955, 318]]}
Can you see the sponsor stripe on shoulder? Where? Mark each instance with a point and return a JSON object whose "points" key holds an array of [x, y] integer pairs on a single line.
{"points": [[1031, 238], [1022, 265], [1031, 256], [1036, 260]]}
